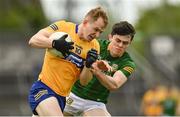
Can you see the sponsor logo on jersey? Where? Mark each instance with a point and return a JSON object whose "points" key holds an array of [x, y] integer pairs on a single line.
{"points": [[75, 59]]}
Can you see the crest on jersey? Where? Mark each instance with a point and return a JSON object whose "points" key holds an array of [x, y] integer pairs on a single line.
{"points": [[69, 101], [114, 66]]}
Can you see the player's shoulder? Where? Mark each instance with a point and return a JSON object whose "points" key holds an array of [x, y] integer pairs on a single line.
{"points": [[62, 25], [103, 42], [55, 26], [128, 59], [128, 65], [64, 22], [127, 55], [95, 43]]}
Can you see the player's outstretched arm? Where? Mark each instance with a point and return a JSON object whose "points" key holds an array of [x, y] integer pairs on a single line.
{"points": [[41, 39], [110, 82]]}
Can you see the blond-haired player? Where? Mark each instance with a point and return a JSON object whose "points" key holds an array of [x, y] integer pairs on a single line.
{"points": [[47, 95]]}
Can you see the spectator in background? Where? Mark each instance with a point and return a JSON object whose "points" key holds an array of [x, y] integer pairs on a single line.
{"points": [[151, 101], [169, 104], [178, 105]]}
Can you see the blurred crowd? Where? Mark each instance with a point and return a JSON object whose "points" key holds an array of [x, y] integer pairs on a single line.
{"points": [[161, 100]]}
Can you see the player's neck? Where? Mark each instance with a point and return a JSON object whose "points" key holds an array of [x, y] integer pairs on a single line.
{"points": [[80, 31]]}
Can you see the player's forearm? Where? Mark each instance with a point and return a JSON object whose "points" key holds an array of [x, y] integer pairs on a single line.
{"points": [[41, 40], [106, 80], [85, 76]]}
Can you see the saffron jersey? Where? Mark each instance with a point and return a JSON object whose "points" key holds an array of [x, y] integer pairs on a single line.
{"points": [[60, 74], [95, 90]]}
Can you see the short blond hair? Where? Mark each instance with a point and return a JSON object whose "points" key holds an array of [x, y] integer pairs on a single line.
{"points": [[96, 13]]}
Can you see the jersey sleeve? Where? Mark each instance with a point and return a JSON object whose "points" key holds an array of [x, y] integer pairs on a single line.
{"points": [[103, 44], [57, 26], [128, 68]]}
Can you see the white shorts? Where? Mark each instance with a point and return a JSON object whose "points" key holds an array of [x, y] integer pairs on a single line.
{"points": [[76, 105]]}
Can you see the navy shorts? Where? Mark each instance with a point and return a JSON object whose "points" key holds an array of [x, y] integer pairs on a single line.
{"points": [[39, 92]]}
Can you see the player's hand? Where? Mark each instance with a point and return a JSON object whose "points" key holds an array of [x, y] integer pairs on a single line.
{"points": [[91, 57], [62, 45], [102, 65]]}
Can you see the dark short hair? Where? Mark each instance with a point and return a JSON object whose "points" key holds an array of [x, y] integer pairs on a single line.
{"points": [[123, 28]]}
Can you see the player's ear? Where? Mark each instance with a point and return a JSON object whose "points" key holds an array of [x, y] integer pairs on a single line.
{"points": [[110, 37]]}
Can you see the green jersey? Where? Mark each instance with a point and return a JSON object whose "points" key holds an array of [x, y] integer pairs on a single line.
{"points": [[95, 90], [169, 107]]}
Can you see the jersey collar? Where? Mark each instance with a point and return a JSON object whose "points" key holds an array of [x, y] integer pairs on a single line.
{"points": [[76, 28]]}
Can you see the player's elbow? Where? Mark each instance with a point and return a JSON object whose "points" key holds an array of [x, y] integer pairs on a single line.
{"points": [[32, 41], [116, 85], [85, 78], [113, 87], [83, 83]]}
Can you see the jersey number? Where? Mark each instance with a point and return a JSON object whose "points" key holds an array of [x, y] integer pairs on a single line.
{"points": [[78, 50]]}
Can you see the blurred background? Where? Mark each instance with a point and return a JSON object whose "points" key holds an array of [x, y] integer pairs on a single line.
{"points": [[152, 90]]}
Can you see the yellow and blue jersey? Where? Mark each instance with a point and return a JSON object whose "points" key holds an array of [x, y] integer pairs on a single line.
{"points": [[60, 74]]}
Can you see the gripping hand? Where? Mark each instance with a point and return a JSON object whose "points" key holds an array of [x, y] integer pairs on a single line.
{"points": [[62, 45], [91, 57]]}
